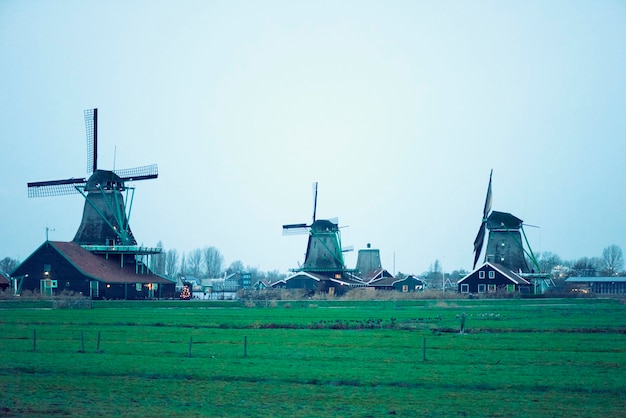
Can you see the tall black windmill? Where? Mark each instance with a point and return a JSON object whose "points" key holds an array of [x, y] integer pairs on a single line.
{"points": [[324, 253], [105, 215], [504, 242]]}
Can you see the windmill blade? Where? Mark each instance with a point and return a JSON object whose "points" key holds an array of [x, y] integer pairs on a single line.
{"points": [[145, 172], [347, 249], [478, 242], [314, 200], [91, 129], [296, 229], [55, 187], [480, 237], [487, 207]]}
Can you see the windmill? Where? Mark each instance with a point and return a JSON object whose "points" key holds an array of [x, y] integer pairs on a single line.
{"points": [[105, 215], [504, 242], [324, 253]]}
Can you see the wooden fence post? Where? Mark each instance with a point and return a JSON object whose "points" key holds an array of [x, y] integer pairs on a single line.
{"points": [[34, 340], [245, 346], [463, 323], [190, 344]]}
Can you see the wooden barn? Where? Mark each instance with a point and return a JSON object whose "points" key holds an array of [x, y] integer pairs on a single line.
{"points": [[407, 284], [334, 285], [4, 281], [612, 285], [492, 278], [58, 266]]}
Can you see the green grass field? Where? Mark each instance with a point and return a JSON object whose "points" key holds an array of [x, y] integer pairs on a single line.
{"points": [[521, 357]]}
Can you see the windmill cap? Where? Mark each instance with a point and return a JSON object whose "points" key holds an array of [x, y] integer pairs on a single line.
{"points": [[503, 219], [106, 179], [324, 224]]}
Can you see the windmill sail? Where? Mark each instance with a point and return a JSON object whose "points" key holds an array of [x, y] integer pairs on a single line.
{"points": [[302, 228], [55, 187], [91, 130], [314, 200], [480, 237], [145, 172]]}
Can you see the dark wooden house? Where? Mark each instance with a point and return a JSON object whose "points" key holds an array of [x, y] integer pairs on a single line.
{"points": [[4, 281], [334, 285], [58, 266], [492, 278], [407, 284]]}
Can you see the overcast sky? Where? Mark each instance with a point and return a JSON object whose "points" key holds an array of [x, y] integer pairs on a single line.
{"points": [[399, 109]]}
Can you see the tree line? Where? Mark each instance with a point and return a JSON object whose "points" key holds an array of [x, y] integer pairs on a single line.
{"points": [[203, 263]]}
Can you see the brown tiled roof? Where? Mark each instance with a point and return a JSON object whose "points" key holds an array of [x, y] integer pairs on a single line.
{"points": [[103, 269], [3, 279]]}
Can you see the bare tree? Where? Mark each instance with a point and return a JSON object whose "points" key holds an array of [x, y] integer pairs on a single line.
{"points": [[587, 267], [275, 275], [213, 261], [547, 261], [195, 262], [171, 263], [613, 259], [434, 276], [8, 264], [157, 261], [183, 266], [235, 267]]}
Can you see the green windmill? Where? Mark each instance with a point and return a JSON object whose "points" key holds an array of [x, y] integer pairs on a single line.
{"points": [[324, 253]]}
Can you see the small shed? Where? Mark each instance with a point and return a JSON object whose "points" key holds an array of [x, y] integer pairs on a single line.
{"points": [[492, 278]]}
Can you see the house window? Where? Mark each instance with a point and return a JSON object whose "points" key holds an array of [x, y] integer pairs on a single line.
{"points": [[481, 288], [481, 274], [46, 268], [405, 288], [491, 288], [492, 274], [510, 288], [464, 288]]}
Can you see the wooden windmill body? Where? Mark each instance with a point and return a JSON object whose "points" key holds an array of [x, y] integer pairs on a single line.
{"points": [[505, 240]]}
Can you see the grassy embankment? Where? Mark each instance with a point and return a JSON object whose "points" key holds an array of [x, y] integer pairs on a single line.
{"points": [[323, 358]]}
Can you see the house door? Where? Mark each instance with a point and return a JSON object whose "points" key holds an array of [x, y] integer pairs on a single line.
{"points": [[46, 286], [94, 291]]}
